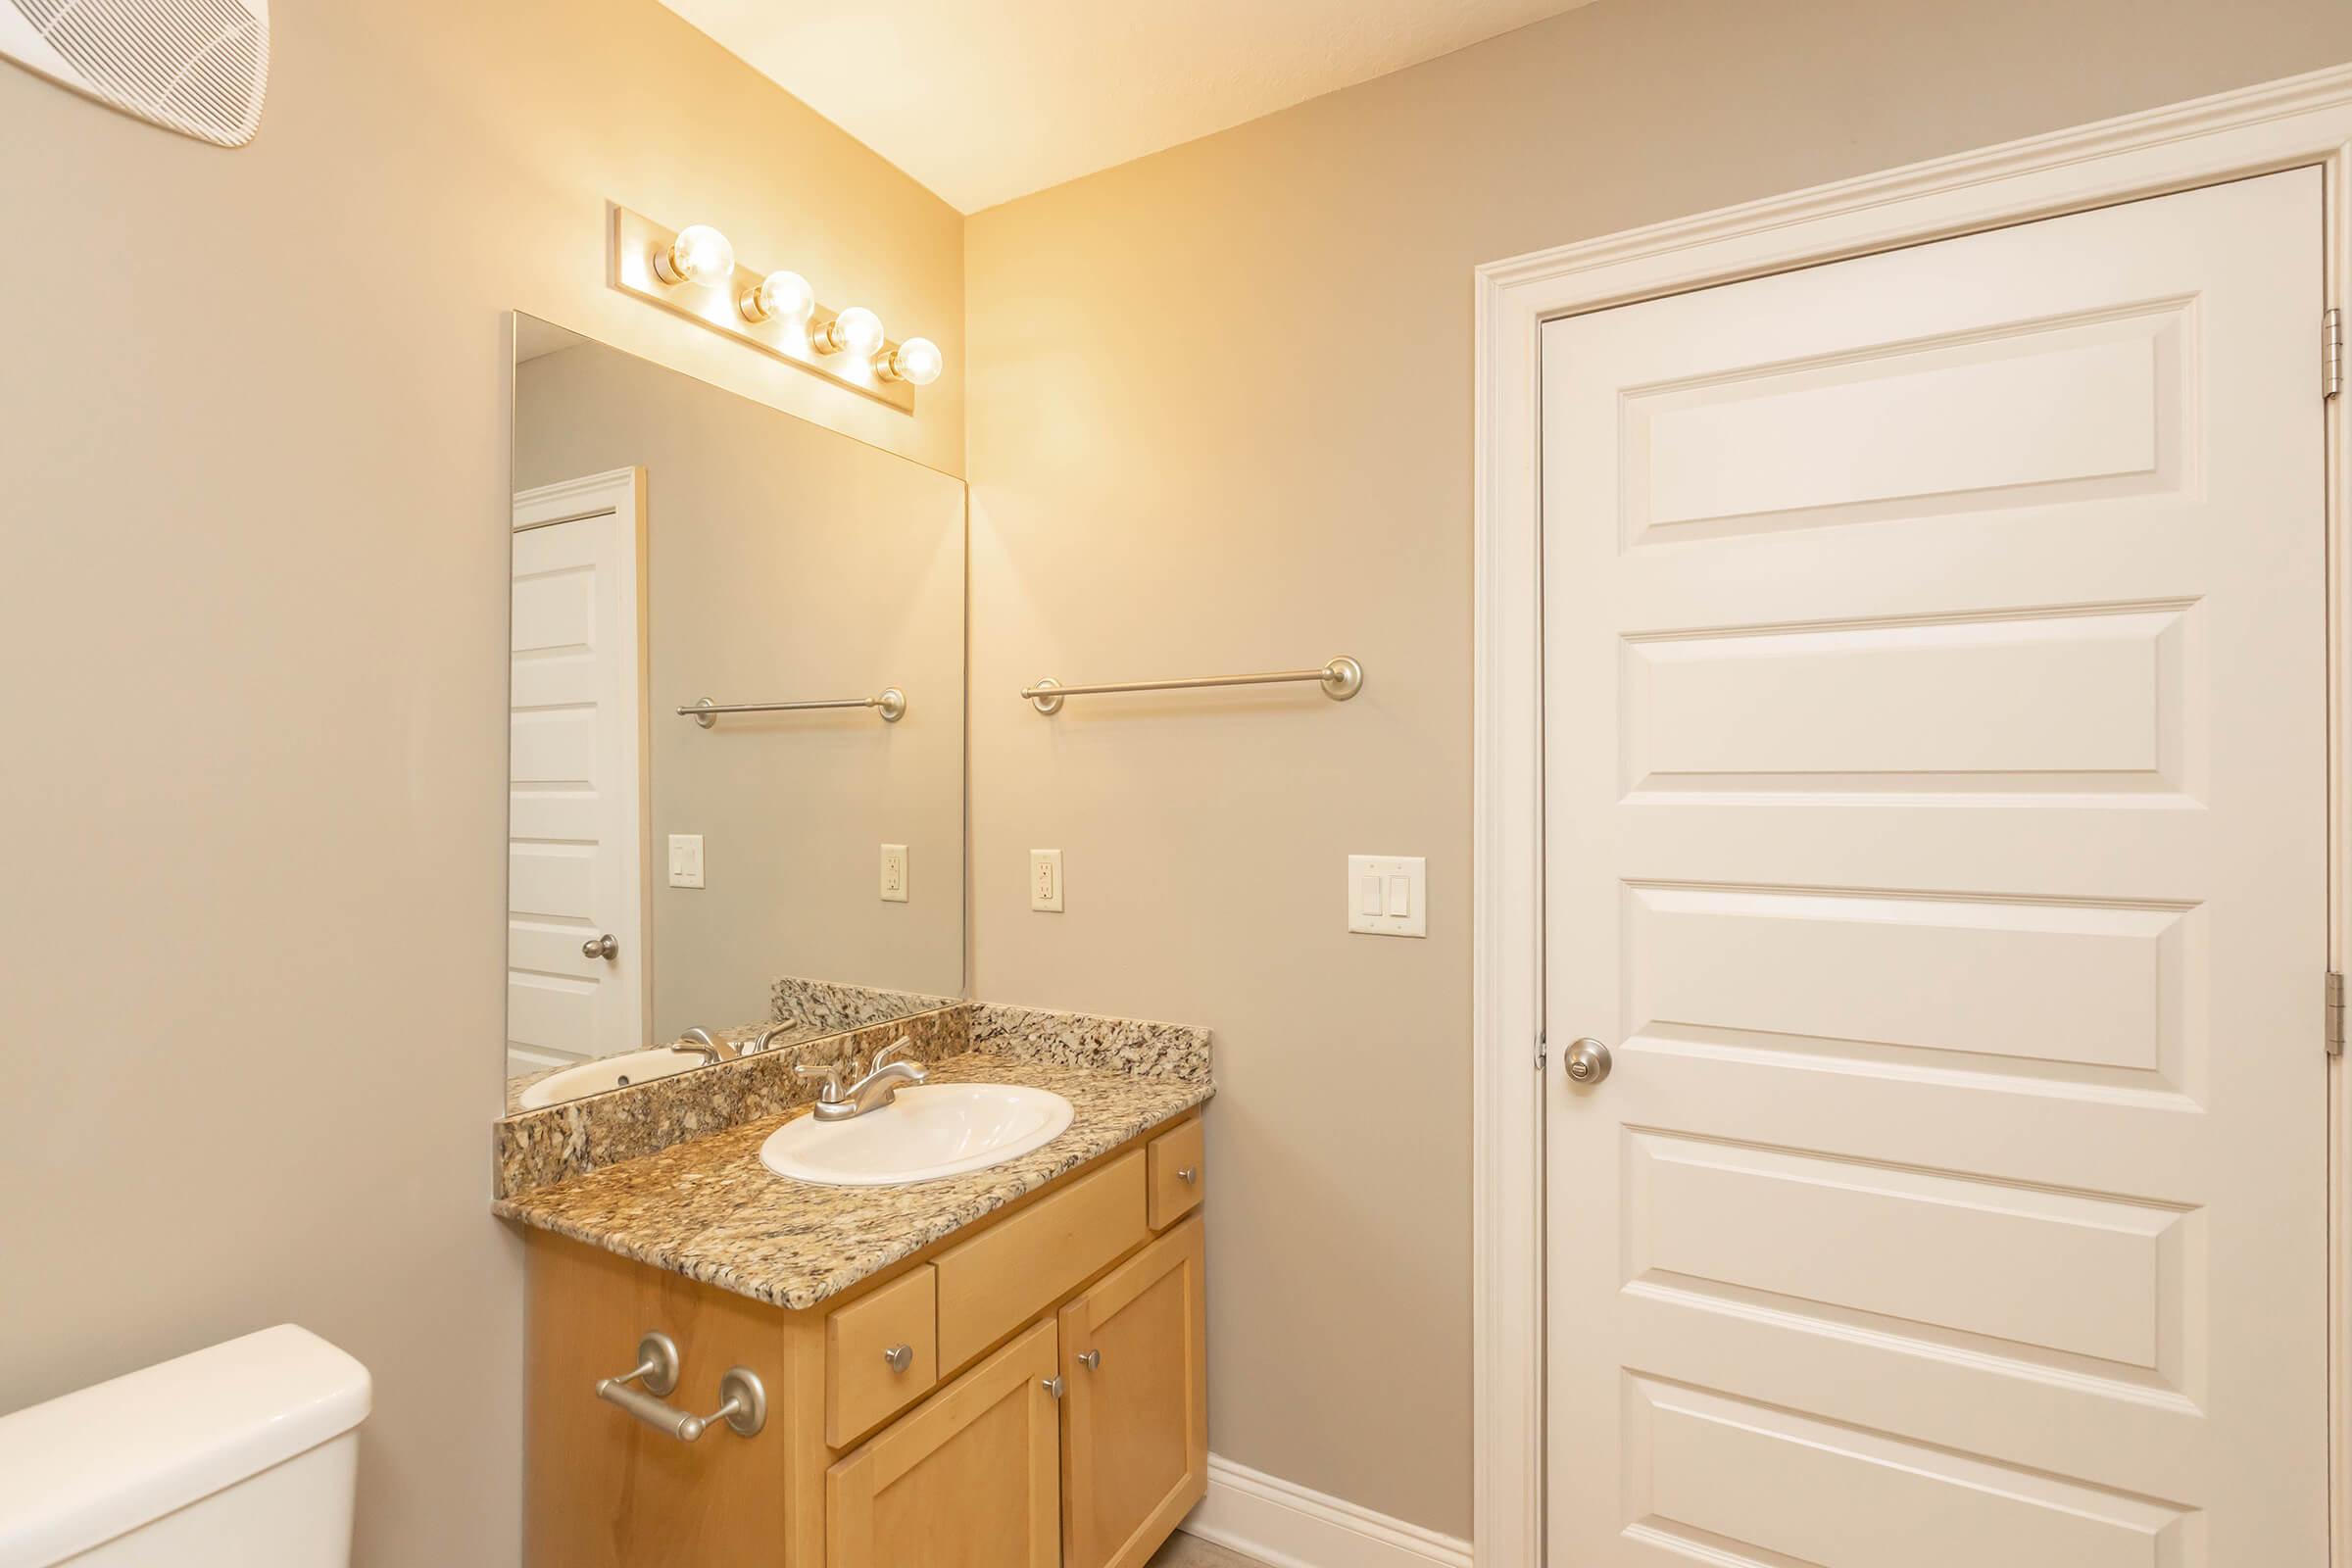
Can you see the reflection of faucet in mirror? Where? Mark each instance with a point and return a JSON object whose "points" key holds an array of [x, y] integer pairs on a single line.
{"points": [[697, 1042], [873, 1090], [767, 1037]]}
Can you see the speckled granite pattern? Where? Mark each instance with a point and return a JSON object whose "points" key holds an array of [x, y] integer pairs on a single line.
{"points": [[537, 1148], [1080, 1040], [725, 1037], [709, 1210], [827, 1006]]}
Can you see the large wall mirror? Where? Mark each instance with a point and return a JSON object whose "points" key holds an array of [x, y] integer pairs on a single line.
{"points": [[785, 857]]}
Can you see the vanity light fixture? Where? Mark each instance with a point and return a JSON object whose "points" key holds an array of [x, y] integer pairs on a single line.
{"points": [[776, 313], [780, 297], [857, 330], [916, 362], [700, 255]]}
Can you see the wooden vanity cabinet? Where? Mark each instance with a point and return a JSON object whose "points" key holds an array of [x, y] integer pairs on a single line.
{"points": [[602, 1491], [971, 1480], [1134, 1406], [1031, 1393]]}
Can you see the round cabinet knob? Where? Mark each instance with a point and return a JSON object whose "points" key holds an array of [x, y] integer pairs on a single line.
{"points": [[899, 1357], [1092, 1360], [602, 946], [1588, 1061], [1188, 1175]]}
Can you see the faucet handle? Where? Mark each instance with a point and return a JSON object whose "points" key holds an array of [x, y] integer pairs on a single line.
{"points": [[891, 1052], [830, 1072]]}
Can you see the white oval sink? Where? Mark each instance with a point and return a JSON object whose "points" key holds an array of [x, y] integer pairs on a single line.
{"points": [[929, 1131], [610, 1072]]}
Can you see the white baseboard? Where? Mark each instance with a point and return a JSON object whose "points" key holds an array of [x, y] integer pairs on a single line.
{"points": [[1289, 1527]]}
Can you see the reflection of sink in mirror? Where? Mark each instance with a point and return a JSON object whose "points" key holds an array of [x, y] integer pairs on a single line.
{"points": [[610, 1072], [923, 1134]]}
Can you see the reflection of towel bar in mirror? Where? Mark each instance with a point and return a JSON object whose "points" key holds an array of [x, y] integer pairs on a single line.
{"points": [[890, 702], [1340, 679]]}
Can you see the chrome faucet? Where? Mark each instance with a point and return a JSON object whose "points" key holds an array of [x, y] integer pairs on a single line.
{"points": [[871, 1090], [698, 1042]]}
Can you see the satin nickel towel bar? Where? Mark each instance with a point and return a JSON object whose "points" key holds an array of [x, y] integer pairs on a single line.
{"points": [[1340, 679], [743, 1398], [890, 701]]}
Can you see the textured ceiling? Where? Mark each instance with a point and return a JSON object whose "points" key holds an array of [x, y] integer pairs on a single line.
{"points": [[986, 102]]}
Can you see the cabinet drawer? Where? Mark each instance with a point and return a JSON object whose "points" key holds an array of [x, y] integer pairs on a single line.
{"points": [[996, 1281], [899, 1322], [1177, 1174]]}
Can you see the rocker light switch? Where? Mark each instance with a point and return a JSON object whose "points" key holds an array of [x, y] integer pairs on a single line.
{"points": [[1388, 895]]}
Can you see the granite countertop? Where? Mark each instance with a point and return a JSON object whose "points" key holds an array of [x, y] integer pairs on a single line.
{"points": [[709, 1209]]}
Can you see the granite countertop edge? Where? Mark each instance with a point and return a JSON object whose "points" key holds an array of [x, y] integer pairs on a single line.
{"points": [[709, 1209]]}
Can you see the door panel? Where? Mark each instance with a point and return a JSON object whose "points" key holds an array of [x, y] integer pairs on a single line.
{"points": [[1135, 1458], [574, 862], [1935, 830]]}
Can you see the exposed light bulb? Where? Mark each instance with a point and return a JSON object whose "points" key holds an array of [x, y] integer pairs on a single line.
{"points": [[780, 297], [701, 255], [916, 362], [857, 329]]}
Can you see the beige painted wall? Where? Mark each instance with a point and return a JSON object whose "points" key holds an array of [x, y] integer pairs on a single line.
{"points": [[252, 468], [1221, 419], [783, 559]]}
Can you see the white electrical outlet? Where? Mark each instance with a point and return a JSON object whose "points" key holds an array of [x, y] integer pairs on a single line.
{"points": [[1045, 880], [685, 860], [894, 873], [1388, 895]]}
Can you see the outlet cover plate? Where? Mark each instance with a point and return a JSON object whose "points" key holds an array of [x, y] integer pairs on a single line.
{"points": [[1045, 880], [894, 873], [685, 860]]}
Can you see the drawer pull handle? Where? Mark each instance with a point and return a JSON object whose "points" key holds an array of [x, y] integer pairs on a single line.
{"points": [[899, 1357], [1092, 1360], [743, 1398], [1188, 1175]]}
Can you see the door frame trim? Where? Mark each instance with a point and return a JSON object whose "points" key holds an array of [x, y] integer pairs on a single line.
{"points": [[2299, 122]]}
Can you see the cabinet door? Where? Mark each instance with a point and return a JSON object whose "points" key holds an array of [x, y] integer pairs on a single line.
{"points": [[969, 1479], [1135, 1454]]}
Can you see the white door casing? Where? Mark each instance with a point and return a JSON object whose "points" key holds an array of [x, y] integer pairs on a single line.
{"points": [[575, 868], [1937, 826]]}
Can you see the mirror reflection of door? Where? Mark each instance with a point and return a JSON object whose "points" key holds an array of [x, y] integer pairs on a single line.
{"points": [[576, 776]]}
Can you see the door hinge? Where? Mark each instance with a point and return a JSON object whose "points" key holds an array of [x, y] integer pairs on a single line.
{"points": [[2332, 353], [1541, 1042], [2335, 1013]]}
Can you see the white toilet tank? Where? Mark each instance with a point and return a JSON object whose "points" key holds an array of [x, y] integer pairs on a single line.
{"points": [[237, 1457]]}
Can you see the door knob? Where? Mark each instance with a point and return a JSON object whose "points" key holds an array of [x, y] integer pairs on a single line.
{"points": [[1588, 1061], [602, 946]]}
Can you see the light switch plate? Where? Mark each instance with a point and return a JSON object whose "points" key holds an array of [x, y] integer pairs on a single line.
{"points": [[1388, 895], [1045, 880], [685, 860], [894, 873]]}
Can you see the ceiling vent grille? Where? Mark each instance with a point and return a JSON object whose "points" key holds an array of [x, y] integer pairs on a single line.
{"points": [[197, 67]]}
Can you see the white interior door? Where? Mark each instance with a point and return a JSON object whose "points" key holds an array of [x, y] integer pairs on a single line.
{"points": [[1935, 792], [575, 848]]}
